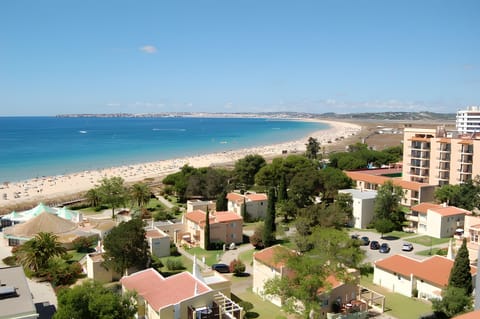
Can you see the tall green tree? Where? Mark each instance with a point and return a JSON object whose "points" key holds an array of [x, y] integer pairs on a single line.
{"points": [[282, 189], [91, 300], [269, 222], [331, 254], [140, 194], [35, 253], [222, 202], [93, 197], [460, 275], [387, 204], [303, 187], [331, 180], [113, 192], [244, 210], [207, 230], [465, 195], [312, 148], [126, 246], [246, 168]]}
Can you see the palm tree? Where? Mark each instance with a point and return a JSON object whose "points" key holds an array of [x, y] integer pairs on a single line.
{"points": [[35, 253], [93, 197], [140, 193]]}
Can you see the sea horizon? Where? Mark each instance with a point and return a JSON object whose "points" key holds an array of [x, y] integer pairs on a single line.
{"points": [[38, 146]]}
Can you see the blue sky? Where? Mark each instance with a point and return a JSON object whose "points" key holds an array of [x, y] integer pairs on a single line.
{"points": [[232, 56]]}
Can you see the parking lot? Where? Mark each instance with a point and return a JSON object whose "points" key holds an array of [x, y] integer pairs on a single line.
{"points": [[394, 243]]}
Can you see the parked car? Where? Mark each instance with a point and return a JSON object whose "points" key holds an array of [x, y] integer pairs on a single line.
{"points": [[374, 245], [365, 241], [384, 248], [222, 268], [407, 247]]}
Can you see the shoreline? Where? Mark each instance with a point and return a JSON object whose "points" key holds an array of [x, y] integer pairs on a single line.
{"points": [[48, 187]]}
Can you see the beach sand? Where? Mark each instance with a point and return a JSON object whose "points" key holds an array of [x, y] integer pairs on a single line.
{"points": [[47, 188]]}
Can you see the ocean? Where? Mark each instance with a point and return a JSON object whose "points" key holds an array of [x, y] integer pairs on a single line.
{"points": [[44, 146]]}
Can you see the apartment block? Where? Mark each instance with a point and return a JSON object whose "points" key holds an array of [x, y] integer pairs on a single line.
{"points": [[468, 121], [438, 157]]}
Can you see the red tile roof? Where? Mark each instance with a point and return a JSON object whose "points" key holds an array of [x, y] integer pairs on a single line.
{"points": [[365, 176], [435, 269], [235, 197], [154, 233], [424, 207], [160, 292], [199, 217], [469, 315], [450, 211], [273, 256]]}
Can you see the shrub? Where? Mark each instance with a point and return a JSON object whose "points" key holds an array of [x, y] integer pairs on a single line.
{"points": [[156, 262], [174, 264], [83, 244], [257, 238], [237, 267], [10, 261], [174, 250], [247, 306]]}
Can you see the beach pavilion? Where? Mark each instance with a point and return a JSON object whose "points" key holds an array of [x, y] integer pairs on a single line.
{"points": [[66, 230], [21, 217]]}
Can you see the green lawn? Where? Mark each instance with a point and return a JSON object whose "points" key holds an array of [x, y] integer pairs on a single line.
{"points": [[427, 240], [263, 308], [433, 251], [247, 256], [187, 264], [211, 256], [76, 256], [397, 305], [251, 226]]}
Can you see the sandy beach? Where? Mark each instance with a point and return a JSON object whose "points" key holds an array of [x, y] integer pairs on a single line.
{"points": [[49, 187]]}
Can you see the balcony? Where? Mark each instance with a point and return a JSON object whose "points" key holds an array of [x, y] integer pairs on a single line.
{"points": [[222, 308], [411, 217]]}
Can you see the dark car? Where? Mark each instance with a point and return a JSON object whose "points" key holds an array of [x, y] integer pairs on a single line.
{"points": [[223, 268], [365, 241], [384, 248], [374, 245], [407, 247]]}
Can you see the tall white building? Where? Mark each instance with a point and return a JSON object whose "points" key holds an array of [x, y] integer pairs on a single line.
{"points": [[468, 121]]}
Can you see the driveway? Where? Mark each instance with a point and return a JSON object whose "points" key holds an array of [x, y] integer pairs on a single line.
{"points": [[395, 246]]}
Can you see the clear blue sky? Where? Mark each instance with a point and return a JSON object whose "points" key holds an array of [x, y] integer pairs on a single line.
{"points": [[98, 56]]}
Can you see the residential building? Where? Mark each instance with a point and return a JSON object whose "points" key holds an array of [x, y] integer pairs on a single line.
{"points": [[372, 179], [16, 300], [469, 315], [439, 221], [97, 271], [438, 157], [270, 263], [471, 233], [225, 227], [158, 242], [363, 202], [468, 121], [256, 204], [178, 296], [197, 204], [406, 276]]}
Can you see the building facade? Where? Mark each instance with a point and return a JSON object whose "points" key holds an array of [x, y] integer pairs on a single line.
{"points": [[256, 204], [437, 157], [468, 121], [363, 202]]}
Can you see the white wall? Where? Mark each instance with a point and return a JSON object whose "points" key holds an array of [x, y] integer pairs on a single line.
{"points": [[394, 282]]}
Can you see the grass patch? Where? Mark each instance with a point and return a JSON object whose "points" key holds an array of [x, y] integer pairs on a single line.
{"points": [[247, 256], [263, 308], [76, 256], [211, 256], [251, 226], [187, 264], [433, 251], [397, 305], [428, 240]]}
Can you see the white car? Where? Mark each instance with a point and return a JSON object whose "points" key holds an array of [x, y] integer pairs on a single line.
{"points": [[407, 247]]}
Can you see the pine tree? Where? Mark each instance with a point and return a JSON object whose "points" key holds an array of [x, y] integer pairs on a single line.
{"points": [[269, 228], [222, 202], [282, 189], [244, 210], [207, 231], [460, 275]]}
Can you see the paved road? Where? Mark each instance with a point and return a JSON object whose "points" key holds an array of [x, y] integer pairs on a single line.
{"points": [[395, 245]]}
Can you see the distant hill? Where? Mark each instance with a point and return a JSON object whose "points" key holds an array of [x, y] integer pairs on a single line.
{"points": [[394, 116]]}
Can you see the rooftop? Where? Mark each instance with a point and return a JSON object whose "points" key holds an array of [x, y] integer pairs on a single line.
{"points": [[160, 292], [435, 270], [360, 194], [21, 303], [199, 217], [273, 256]]}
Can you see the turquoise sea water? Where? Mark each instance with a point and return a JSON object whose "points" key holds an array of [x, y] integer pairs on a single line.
{"points": [[43, 146]]}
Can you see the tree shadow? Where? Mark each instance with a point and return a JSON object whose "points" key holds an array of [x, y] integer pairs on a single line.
{"points": [[252, 314], [390, 237], [243, 274]]}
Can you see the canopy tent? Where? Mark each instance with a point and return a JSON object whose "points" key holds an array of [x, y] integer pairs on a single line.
{"points": [[68, 214], [44, 222], [37, 210]]}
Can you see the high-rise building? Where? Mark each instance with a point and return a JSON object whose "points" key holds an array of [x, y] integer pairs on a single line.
{"points": [[468, 121], [438, 157]]}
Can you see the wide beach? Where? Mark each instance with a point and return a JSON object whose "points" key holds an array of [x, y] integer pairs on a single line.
{"points": [[49, 187]]}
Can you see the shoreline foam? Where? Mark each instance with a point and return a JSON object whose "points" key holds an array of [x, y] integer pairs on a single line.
{"points": [[49, 187]]}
